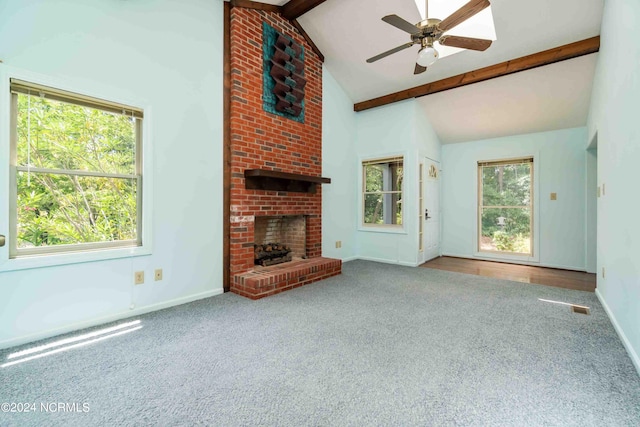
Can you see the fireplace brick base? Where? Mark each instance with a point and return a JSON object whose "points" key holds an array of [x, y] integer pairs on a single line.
{"points": [[262, 282]]}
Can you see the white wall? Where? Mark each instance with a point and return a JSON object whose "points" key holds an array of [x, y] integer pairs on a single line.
{"points": [[560, 167], [614, 116], [339, 133], [169, 54], [396, 129]]}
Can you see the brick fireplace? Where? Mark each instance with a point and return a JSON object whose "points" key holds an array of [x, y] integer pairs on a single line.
{"points": [[263, 141]]}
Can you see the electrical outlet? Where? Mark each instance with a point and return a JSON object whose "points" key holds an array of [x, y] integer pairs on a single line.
{"points": [[138, 277], [338, 243], [603, 272], [603, 189], [554, 196], [157, 275]]}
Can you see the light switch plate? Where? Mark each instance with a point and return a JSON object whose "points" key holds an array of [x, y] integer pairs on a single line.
{"points": [[554, 196]]}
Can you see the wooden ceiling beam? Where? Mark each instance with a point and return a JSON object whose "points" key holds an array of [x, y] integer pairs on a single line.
{"points": [[561, 53], [296, 8]]}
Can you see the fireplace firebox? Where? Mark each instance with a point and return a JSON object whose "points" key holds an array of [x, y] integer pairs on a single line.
{"points": [[279, 239]]}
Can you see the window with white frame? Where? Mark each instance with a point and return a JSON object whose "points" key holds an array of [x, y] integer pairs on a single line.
{"points": [[505, 206], [382, 191], [76, 172]]}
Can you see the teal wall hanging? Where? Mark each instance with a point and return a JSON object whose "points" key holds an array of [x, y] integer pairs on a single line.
{"points": [[283, 74]]}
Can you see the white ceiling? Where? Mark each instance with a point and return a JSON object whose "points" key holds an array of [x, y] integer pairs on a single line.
{"points": [[348, 32], [545, 98]]}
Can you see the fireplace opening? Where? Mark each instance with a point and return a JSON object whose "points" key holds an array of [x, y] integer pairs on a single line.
{"points": [[279, 239], [271, 254]]}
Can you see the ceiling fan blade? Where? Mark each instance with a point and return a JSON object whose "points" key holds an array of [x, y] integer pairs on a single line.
{"points": [[389, 52], [464, 13], [465, 42], [419, 69], [401, 24]]}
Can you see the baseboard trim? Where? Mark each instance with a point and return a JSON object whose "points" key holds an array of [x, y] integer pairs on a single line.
{"points": [[627, 345], [351, 258], [388, 261], [105, 319], [509, 261]]}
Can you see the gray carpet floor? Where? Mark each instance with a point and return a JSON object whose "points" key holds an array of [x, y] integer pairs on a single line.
{"points": [[379, 345]]}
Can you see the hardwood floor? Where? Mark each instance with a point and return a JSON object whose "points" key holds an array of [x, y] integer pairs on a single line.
{"points": [[520, 273]]}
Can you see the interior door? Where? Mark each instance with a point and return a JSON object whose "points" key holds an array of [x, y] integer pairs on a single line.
{"points": [[431, 214]]}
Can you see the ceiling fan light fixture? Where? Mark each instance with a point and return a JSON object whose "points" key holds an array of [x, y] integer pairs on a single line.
{"points": [[427, 56]]}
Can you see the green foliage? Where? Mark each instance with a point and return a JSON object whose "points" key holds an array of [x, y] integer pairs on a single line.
{"points": [[377, 194], [507, 242], [58, 208], [506, 193], [516, 220], [504, 241], [506, 185]]}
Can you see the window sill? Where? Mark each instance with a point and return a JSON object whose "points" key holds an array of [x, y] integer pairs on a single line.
{"points": [[378, 229], [53, 260], [505, 257]]}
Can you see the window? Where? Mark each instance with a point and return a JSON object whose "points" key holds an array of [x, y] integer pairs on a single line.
{"points": [[505, 206], [382, 191], [76, 172]]}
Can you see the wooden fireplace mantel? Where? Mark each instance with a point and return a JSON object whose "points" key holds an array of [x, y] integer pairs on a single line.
{"points": [[263, 179]]}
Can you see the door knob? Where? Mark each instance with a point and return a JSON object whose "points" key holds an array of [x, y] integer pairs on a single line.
{"points": [[3, 240]]}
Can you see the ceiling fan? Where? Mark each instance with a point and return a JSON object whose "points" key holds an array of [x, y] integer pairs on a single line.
{"points": [[427, 32]]}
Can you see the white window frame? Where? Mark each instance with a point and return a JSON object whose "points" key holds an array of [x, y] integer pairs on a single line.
{"points": [[535, 218], [381, 227], [70, 254]]}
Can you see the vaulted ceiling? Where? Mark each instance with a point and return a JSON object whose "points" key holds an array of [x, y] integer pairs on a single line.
{"points": [[555, 96]]}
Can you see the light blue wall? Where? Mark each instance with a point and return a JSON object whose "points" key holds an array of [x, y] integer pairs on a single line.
{"points": [[560, 168], [592, 212], [396, 129], [169, 54], [615, 103], [425, 136], [386, 131], [339, 134]]}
